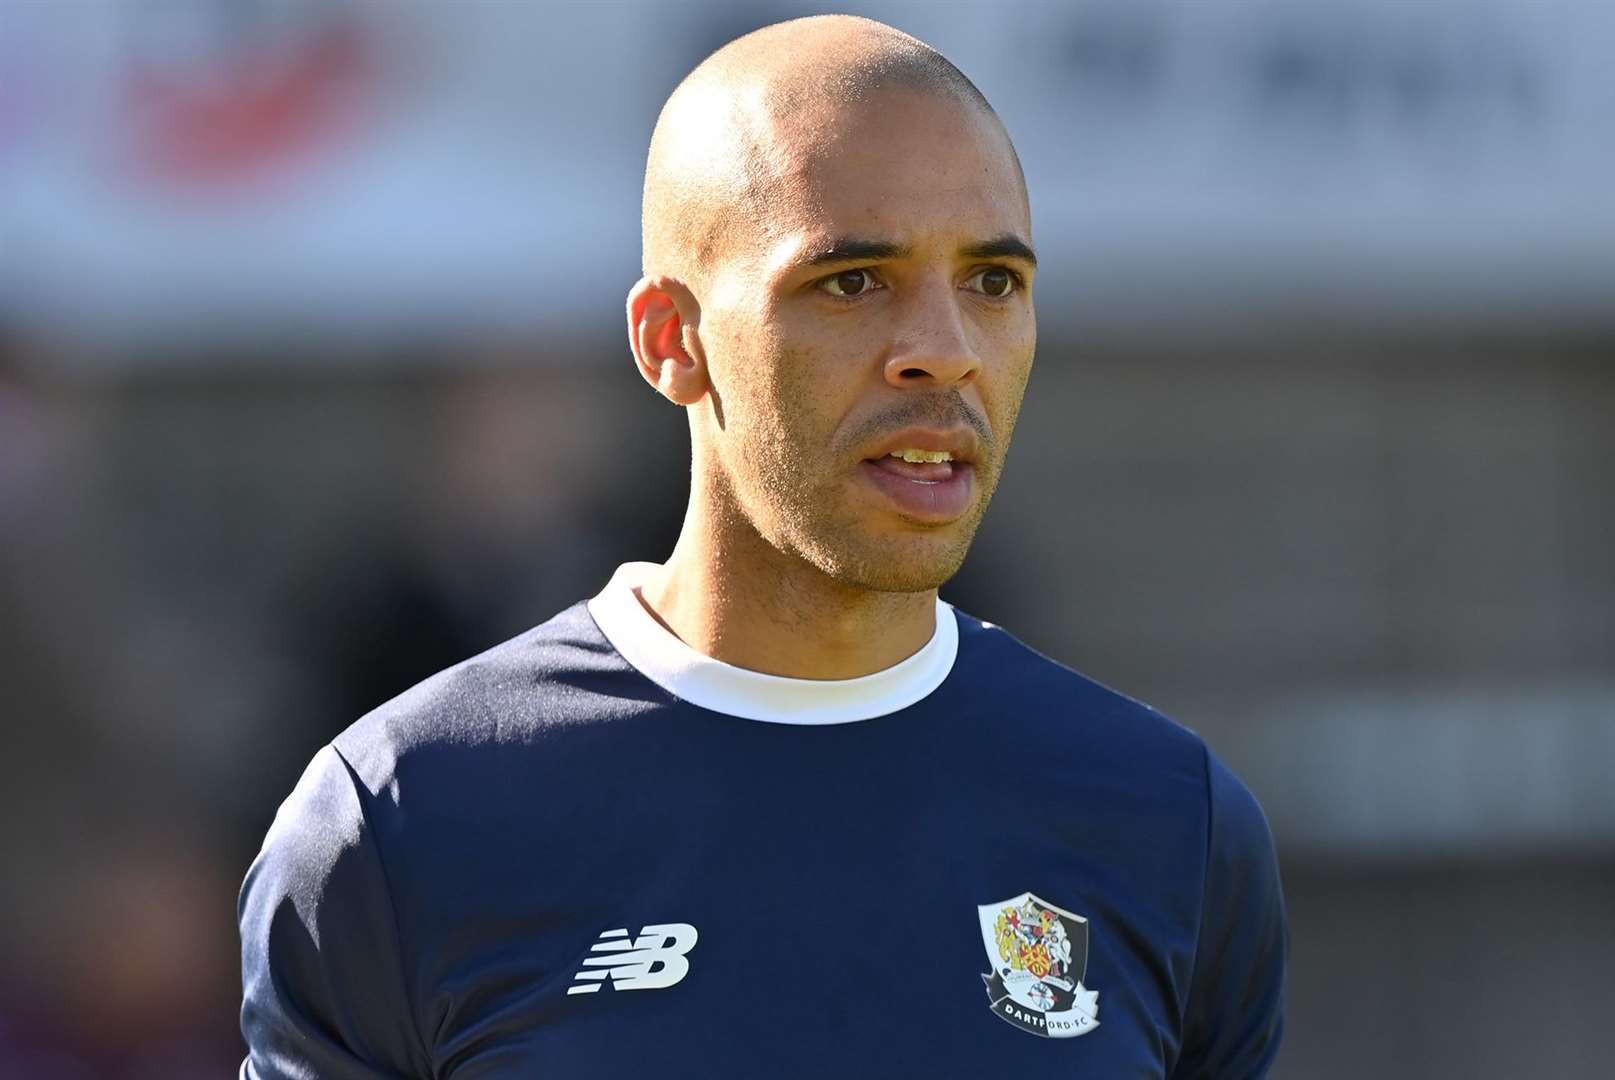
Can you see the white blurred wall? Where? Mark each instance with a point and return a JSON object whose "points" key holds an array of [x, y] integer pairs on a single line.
{"points": [[195, 171]]}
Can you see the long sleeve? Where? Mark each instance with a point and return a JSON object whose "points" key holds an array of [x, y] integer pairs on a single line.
{"points": [[1235, 1017], [323, 982]]}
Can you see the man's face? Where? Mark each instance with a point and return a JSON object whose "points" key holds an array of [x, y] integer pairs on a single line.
{"points": [[884, 306]]}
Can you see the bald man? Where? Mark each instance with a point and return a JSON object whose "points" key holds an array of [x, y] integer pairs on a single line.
{"points": [[771, 808]]}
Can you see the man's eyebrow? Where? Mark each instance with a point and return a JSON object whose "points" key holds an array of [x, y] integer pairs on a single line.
{"points": [[856, 249], [1008, 246]]}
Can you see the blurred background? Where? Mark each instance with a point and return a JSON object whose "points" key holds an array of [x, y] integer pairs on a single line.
{"points": [[313, 381]]}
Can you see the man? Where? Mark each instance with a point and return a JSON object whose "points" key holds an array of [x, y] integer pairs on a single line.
{"points": [[772, 808]]}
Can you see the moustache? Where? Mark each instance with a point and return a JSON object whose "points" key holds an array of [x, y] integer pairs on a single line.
{"points": [[945, 410]]}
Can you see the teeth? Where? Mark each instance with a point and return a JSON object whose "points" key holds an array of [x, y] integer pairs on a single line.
{"points": [[916, 457]]}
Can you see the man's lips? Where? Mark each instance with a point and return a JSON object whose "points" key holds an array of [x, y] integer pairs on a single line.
{"points": [[921, 472], [960, 443], [932, 492]]}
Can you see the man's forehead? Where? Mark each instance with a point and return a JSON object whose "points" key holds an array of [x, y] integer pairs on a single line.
{"points": [[842, 213], [888, 123], [894, 147]]}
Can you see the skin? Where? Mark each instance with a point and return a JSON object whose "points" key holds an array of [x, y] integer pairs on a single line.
{"points": [[794, 367]]}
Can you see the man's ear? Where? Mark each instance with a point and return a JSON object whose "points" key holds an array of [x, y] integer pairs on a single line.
{"points": [[664, 336]]}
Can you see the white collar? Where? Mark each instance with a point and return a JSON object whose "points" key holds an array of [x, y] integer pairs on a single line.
{"points": [[699, 679]]}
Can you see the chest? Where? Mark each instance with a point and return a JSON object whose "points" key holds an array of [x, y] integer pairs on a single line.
{"points": [[893, 922]]}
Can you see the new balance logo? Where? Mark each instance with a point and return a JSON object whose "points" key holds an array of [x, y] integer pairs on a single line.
{"points": [[651, 961]]}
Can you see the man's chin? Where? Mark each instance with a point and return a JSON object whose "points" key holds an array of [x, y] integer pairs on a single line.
{"points": [[903, 565]]}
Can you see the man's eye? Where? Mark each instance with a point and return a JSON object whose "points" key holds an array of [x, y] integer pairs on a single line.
{"points": [[849, 283], [995, 281]]}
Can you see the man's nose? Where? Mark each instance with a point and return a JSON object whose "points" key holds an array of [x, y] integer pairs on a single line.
{"points": [[932, 349]]}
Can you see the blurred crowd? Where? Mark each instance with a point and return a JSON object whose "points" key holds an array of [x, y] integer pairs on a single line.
{"points": [[199, 587]]}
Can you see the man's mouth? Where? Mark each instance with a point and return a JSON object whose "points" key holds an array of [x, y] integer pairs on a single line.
{"points": [[919, 466], [924, 485]]}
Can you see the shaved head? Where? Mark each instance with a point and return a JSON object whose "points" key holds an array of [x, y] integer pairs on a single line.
{"points": [[755, 114]]}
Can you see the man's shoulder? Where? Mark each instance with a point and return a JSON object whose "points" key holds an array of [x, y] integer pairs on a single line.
{"points": [[559, 675], [1119, 735], [1025, 683], [462, 742]]}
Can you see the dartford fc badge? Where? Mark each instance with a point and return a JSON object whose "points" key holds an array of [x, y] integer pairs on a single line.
{"points": [[1039, 955]]}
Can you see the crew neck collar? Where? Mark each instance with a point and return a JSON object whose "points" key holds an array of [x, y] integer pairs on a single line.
{"points": [[668, 662]]}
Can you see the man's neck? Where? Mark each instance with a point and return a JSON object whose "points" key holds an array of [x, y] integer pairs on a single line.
{"points": [[750, 605]]}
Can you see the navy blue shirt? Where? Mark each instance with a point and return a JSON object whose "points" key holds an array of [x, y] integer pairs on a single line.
{"points": [[590, 852]]}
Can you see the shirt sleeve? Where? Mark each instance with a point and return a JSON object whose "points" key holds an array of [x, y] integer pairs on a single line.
{"points": [[1235, 1016], [323, 985]]}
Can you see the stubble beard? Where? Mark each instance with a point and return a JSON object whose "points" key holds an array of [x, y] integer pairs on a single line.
{"points": [[813, 523]]}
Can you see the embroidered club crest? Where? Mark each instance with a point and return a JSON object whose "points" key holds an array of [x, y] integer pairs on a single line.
{"points": [[1039, 955]]}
